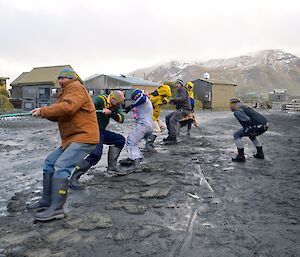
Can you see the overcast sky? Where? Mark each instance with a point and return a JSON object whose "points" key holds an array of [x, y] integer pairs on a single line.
{"points": [[119, 36]]}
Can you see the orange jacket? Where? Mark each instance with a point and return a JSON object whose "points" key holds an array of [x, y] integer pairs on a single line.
{"points": [[75, 113]]}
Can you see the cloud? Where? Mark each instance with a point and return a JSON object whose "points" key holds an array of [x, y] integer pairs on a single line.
{"points": [[118, 36]]}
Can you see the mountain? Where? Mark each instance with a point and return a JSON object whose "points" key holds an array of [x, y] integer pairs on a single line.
{"points": [[254, 72]]}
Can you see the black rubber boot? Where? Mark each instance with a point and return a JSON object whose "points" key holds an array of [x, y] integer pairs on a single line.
{"points": [[170, 140], [149, 146], [112, 158], [59, 197], [240, 156], [259, 154], [80, 169], [45, 201]]}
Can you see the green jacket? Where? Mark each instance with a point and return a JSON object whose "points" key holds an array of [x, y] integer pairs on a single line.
{"points": [[117, 114]]}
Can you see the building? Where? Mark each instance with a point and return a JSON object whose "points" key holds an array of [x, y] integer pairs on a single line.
{"points": [[103, 84], [278, 96], [214, 94], [37, 88], [3, 83]]}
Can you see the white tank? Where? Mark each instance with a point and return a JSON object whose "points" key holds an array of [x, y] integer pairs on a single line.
{"points": [[206, 75]]}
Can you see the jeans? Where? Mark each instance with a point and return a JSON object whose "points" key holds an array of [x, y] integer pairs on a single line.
{"points": [[107, 138], [172, 121], [241, 133], [138, 133], [61, 162]]}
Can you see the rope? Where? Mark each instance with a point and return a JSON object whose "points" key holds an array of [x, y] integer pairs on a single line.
{"points": [[22, 114]]}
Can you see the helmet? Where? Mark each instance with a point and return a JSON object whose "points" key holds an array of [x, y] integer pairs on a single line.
{"points": [[189, 85], [135, 93], [180, 81]]}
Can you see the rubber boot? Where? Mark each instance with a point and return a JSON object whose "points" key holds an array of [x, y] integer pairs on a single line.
{"points": [[80, 169], [169, 140], [45, 201], [240, 156], [59, 197], [259, 154], [112, 160], [149, 146]]}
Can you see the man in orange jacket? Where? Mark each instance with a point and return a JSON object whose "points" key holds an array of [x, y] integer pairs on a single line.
{"points": [[75, 114]]}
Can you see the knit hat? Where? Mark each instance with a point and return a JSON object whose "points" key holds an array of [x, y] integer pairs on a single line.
{"points": [[235, 100], [67, 73], [136, 92], [180, 81], [118, 95]]}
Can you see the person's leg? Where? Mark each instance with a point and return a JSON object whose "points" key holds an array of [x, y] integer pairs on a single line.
{"points": [[167, 118], [48, 171], [174, 126], [133, 152], [63, 167], [240, 145], [116, 143], [86, 163], [259, 154]]}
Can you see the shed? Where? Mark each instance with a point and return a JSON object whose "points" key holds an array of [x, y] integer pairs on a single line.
{"points": [[214, 94], [37, 88], [103, 84]]}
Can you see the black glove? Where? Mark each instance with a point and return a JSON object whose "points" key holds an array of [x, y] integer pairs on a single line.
{"points": [[128, 108]]}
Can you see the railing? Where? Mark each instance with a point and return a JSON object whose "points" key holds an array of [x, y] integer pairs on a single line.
{"points": [[292, 107]]}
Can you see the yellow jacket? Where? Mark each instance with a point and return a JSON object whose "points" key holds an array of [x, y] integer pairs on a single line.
{"points": [[190, 87], [158, 98]]}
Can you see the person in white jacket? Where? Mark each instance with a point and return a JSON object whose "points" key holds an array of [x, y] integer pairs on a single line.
{"points": [[142, 111]]}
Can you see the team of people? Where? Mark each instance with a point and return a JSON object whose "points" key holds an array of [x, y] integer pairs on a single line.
{"points": [[83, 124]]}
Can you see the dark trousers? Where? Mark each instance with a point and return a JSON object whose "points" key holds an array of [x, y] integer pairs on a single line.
{"points": [[172, 121], [107, 138]]}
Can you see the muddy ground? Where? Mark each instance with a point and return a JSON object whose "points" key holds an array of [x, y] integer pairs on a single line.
{"points": [[188, 200]]}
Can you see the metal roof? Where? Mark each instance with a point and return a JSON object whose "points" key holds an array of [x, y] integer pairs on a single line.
{"points": [[39, 75], [217, 81], [129, 80]]}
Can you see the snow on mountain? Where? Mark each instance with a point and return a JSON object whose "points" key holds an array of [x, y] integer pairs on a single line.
{"points": [[258, 71]]}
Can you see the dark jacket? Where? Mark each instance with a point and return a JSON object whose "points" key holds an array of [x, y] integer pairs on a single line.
{"points": [[182, 99], [249, 117], [117, 113]]}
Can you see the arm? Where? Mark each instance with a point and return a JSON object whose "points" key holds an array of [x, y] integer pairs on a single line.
{"points": [[142, 99], [181, 96], [118, 115], [242, 118], [73, 100]]}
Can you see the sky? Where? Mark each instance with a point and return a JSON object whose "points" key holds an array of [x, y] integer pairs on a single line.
{"points": [[119, 36]]}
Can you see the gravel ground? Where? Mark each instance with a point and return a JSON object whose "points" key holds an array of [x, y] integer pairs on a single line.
{"points": [[187, 200]]}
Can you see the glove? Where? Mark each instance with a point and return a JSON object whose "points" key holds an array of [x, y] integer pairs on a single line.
{"points": [[128, 108]]}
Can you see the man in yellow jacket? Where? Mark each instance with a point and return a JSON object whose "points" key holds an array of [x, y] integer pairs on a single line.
{"points": [[75, 114]]}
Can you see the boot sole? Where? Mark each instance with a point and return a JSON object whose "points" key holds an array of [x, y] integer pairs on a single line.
{"points": [[57, 216]]}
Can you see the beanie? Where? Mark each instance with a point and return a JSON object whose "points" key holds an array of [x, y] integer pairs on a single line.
{"points": [[235, 100], [67, 73]]}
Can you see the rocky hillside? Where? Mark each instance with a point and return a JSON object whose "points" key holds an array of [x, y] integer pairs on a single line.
{"points": [[260, 71]]}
